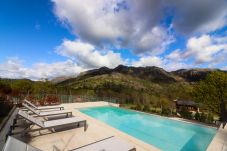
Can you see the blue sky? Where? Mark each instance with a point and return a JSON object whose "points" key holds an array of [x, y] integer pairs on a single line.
{"points": [[29, 30], [51, 38]]}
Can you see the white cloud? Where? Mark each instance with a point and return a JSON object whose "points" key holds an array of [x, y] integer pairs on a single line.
{"points": [[148, 61], [174, 55], [14, 68], [207, 50], [87, 56], [149, 41], [165, 63], [224, 68], [176, 65], [203, 49], [136, 24], [133, 24]]}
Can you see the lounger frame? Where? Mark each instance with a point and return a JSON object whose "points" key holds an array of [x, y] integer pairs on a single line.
{"points": [[48, 113], [41, 124], [43, 107]]}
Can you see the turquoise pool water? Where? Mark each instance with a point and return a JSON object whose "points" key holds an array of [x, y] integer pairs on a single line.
{"points": [[166, 134]]}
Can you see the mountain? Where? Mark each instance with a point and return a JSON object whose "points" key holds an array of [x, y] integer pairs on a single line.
{"points": [[60, 79], [152, 74], [193, 75]]}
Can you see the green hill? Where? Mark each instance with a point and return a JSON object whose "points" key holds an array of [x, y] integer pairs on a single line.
{"points": [[133, 84]]}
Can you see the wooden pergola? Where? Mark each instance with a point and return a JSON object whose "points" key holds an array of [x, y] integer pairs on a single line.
{"points": [[190, 105]]}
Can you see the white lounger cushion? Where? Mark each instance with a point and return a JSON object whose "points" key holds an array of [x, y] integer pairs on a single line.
{"points": [[54, 112], [109, 144], [47, 113], [31, 108], [64, 121], [31, 118], [53, 123], [48, 107], [13, 144]]}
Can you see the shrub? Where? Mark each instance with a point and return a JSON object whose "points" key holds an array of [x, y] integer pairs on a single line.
{"points": [[202, 117], [132, 107], [185, 113], [146, 108], [197, 116], [158, 111], [52, 100], [153, 110], [166, 112], [139, 107], [41, 102], [5, 88], [210, 118]]}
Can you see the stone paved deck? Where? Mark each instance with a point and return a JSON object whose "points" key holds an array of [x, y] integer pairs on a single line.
{"points": [[97, 130], [73, 138], [219, 143]]}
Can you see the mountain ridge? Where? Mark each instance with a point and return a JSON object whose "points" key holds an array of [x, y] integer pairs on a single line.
{"points": [[152, 73]]}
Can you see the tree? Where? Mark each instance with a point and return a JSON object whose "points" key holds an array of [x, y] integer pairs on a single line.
{"points": [[22, 86], [4, 88], [43, 88], [212, 91]]}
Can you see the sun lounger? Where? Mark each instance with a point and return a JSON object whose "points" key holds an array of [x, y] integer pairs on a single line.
{"points": [[51, 125], [13, 144], [109, 144], [43, 107], [48, 113]]}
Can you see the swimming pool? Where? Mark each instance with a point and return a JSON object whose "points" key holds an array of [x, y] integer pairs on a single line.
{"points": [[166, 134]]}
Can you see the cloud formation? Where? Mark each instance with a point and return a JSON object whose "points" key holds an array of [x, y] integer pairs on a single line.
{"points": [[165, 63], [203, 49], [14, 68], [198, 16], [87, 56], [149, 61], [136, 24], [119, 23]]}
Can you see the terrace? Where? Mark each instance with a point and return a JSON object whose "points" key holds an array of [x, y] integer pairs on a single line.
{"points": [[75, 137]]}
